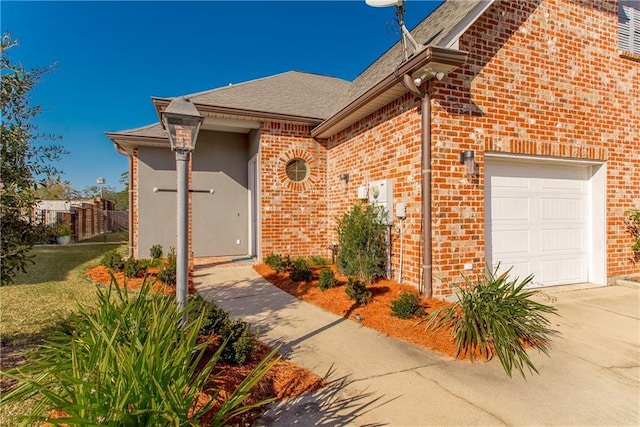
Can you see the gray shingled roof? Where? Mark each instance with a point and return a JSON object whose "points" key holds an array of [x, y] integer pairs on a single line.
{"points": [[315, 96], [436, 30], [292, 93], [153, 130]]}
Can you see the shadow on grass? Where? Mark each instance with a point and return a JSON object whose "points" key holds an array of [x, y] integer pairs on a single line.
{"points": [[54, 263]]}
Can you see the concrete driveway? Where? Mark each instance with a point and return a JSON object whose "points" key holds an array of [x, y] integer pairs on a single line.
{"points": [[591, 378]]}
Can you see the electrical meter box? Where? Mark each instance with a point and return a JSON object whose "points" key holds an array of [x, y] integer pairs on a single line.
{"points": [[381, 194]]}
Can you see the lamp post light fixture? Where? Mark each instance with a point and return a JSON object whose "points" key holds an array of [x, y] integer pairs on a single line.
{"points": [[182, 122]]}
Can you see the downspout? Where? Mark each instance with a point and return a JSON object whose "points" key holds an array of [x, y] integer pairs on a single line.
{"points": [[423, 91]]}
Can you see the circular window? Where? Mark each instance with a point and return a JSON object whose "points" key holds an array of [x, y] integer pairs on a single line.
{"points": [[297, 170]]}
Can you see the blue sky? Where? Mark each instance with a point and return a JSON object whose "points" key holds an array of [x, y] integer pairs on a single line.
{"points": [[112, 57]]}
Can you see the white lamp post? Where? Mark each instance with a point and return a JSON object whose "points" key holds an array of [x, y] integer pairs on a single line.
{"points": [[182, 121]]}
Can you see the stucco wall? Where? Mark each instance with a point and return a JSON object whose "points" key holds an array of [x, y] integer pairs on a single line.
{"points": [[155, 222], [220, 220]]}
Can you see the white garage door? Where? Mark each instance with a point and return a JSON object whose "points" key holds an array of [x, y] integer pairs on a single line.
{"points": [[537, 220]]}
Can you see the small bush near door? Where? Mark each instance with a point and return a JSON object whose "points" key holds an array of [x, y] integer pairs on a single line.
{"points": [[300, 271], [277, 262], [406, 306], [327, 279], [357, 291], [167, 274], [156, 251], [497, 316], [361, 239], [113, 260]]}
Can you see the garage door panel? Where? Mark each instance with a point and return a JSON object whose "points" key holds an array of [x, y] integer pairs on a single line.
{"points": [[511, 242], [559, 271], [505, 182], [562, 184], [556, 240], [520, 268], [561, 209], [510, 209], [537, 220]]}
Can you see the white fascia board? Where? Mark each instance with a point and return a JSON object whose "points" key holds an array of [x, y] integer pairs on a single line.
{"points": [[451, 39]]}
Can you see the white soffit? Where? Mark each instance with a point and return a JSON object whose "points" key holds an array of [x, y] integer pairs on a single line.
{"points": [[229, 125]]}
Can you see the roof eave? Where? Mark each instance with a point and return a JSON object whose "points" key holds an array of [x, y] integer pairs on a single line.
{"points": [[161, 104], [126, 143], [429, 61]]}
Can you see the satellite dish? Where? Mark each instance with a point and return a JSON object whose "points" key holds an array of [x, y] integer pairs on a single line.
{"points": [[383, 3], [406, 35]]}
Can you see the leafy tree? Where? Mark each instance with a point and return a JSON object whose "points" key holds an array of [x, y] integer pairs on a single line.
{"points": [[27, 157], [56, 189], [121, 198]]}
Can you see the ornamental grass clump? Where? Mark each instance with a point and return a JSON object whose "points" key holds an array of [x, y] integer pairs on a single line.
{"points": [[129, 362], [497, 316]]}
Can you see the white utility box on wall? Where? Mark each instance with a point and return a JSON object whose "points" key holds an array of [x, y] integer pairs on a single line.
{"points": [[381, 194]]}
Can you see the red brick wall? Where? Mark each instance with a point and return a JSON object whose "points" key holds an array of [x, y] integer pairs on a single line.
{"points": [[293, 214], [546, 78], [385, 145], [134, 186], [542, 78]]}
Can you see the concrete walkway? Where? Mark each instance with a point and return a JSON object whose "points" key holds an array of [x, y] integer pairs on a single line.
{"points": [[591, 378]]}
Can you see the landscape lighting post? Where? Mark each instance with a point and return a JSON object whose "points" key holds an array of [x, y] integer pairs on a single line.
{"points": [[182, 122]]}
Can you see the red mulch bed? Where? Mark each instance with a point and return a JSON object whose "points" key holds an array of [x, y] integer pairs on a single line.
{"points": [[376, 314], [284, 380]]}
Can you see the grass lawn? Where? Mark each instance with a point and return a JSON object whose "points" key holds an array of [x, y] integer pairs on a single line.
{"points": [[50, 290], [111, 237]]}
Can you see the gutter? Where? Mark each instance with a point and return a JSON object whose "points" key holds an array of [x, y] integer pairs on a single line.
{"points": [[431, 60], [162, 103]]}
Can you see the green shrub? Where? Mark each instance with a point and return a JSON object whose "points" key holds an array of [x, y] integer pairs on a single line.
{"points": [[240, 341], [406, 306], [318, 260], [150, 263], [113, 260], [327, 279], [300, 271], [277, 262], [357, 291], [361, 241], [168, 272], [156, 251], [134, 268], [632, 221], [127, 363], [498, 317]]}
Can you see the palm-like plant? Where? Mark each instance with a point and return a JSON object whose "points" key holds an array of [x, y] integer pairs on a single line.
{"points": [[128, 363], [497, 316]]}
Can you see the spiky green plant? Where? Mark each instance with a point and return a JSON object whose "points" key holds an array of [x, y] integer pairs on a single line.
{"points": [[127, 363], [497, 316]]}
